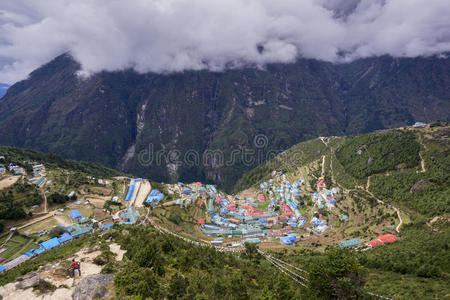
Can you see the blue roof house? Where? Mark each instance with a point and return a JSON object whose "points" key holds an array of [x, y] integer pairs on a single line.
{"points": [[75, 214], [51, 243]]}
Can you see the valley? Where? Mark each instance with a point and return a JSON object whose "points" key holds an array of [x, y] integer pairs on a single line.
{"points": [[383, 194]]}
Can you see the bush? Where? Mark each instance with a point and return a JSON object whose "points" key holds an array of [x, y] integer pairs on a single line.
{"points": [[336, 275], [57, 198]]}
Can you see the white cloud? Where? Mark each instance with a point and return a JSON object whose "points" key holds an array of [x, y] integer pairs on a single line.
{"points": [[175, 35]]}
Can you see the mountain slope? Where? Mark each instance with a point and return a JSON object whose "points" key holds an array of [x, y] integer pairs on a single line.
{"points": [[117, 118], [3, 88], [404, 170]]}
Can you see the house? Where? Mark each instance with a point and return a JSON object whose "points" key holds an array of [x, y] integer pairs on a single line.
{"points": [[75, 214], [65, 237], [234, 221], [387, 238], [288, 240], [49, 244], [129, 216], [272, 220], [217, 242], [374, 243], [419, 125], [80, 230], [349, 243]]}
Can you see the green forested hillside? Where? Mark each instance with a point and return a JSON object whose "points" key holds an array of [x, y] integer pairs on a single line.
{"points": [[160, 266], [375, 153], [19, 156]]}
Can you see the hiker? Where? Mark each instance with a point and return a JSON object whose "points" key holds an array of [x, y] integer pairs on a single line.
{"points": [[75, 265]]}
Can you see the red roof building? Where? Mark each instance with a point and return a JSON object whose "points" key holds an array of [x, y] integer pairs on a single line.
{"points": [[201, 221], [285, 208], [261, 197], [234, 221], [387, 238], [375, 243]]}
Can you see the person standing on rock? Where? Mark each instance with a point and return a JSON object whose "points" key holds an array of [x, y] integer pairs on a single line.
{"points": [[75, 266]]}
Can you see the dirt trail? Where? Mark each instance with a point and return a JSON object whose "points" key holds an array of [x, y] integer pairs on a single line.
{"points": [[323, 166], [45, 201], [115, 248], [8, 181], [382, 202], [422, 164], [7, 239], [437, 218], [322, 139], [144, 190]]}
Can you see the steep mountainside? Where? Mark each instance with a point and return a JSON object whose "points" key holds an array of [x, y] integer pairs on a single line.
{"points": [[3, 88], [120, 118]]}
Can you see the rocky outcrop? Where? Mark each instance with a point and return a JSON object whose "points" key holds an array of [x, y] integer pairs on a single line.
{"points": [[92, 287], [30, 280], [421, 184]]}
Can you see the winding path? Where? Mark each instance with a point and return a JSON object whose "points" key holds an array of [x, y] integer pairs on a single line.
{"points": [[422, 161], [382, 202]]}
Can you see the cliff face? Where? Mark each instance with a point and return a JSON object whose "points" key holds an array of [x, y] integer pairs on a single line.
{"points": [[215, 126]]}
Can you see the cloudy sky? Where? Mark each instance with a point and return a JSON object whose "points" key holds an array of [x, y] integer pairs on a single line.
{"points": [[175, 35]]}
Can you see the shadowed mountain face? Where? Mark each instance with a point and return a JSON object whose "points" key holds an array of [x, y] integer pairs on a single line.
{"points": [[3, 88], [215, 126]]}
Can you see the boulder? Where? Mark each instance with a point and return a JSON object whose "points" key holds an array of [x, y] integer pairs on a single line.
{"points": [[370, 161], [28, 283], [27, 276], [421, 184], [60, 272], [361, 149], [92, 287]]}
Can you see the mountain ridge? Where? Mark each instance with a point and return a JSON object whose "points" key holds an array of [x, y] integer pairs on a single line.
{"points": [[113, 117]]}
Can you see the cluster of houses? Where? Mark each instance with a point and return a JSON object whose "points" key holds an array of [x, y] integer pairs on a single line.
{"points": [[244, 218], [38, 175]]}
